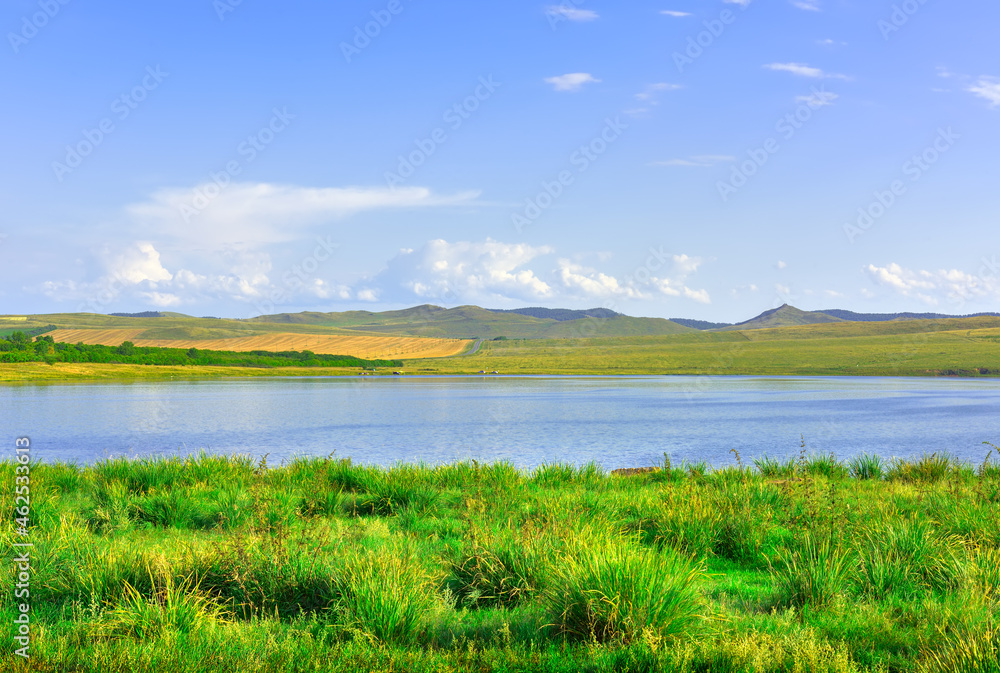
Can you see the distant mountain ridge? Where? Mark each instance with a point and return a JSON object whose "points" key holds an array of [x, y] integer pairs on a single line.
{"points": [[540, 322], [886, 317], [466, 322]]}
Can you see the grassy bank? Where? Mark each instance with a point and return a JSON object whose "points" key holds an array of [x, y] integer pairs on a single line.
{"points": [[848, 349], [224, 564]]}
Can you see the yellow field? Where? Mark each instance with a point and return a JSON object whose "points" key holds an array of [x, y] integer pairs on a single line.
{"points": [[369, 347]]}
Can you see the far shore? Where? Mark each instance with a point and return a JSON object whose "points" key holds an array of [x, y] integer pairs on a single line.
{"points": [[34, 372]]}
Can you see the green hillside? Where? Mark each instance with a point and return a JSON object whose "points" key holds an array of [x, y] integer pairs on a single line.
{"points": [[473, 321], [784, 316]]}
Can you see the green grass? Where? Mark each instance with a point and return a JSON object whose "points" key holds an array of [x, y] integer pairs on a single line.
{"points": [[226, 564], [836, 349]]}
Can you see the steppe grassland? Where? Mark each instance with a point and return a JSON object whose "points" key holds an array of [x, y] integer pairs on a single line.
{"points": [[223, 564]]}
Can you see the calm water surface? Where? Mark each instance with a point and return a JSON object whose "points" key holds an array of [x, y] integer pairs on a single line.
{"points": [[615, 422]]}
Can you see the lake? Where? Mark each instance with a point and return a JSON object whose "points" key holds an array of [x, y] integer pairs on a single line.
{"points": [[612, 421]]}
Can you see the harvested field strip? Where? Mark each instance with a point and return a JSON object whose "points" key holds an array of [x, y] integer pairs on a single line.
{"points": [[104, 337], [369, 347]]}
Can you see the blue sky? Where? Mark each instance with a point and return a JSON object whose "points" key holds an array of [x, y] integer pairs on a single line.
{"points": [[676, 158]]}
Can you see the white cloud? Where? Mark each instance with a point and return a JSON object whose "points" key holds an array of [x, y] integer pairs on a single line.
{"points": [[699, 161], [954, 286], [571, 13], [572, 81], [781, 265], [135, 264], [808, 5], [674, 13], [827, 42], [589, 282], [490, 272], [987, 88], [482, 271], [258, 214], [803, 70]]}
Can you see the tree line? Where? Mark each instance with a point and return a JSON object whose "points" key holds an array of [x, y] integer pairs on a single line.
{"points": [[19, 347]]}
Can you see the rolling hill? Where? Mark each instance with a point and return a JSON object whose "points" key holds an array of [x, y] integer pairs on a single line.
{"points": [[784, 316], [464, 322]]}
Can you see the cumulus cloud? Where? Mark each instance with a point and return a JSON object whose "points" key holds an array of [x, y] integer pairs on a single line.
{"points": [[263, 213], [803, 70], [485, 272], [932, 287], [573, 81], [473, 271], [674, 13], [135, 264]]}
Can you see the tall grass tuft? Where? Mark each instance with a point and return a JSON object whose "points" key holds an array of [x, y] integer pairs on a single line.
{"points": [[815, 573], [612, 592], [929, 468], [386, 597], [825, 465], [503, 572], [865, 467], [774, 468], [976, 652], [177, 607]]}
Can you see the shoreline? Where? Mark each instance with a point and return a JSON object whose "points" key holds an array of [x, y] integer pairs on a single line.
{"points": [[97, 373]]}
